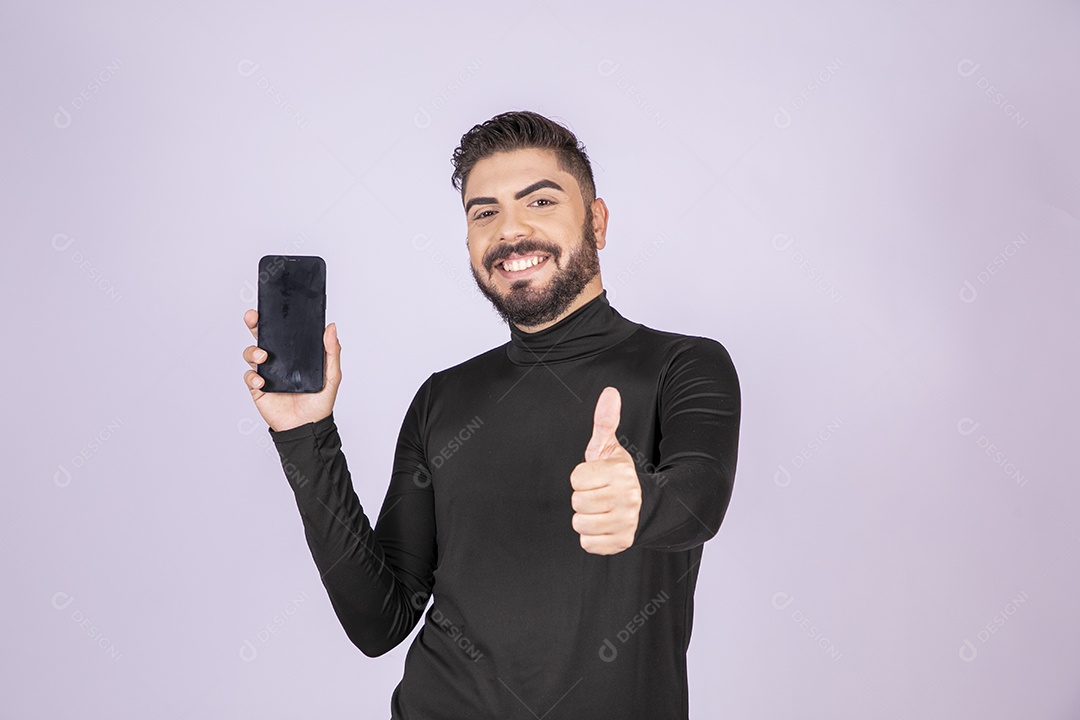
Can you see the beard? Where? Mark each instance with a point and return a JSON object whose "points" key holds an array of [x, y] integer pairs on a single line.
{"points": [[527, 305]]}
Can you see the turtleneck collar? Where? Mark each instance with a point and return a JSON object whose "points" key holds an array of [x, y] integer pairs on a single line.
{"points": [[592, 328]]}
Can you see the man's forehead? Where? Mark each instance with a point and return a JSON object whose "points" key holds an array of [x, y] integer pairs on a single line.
{"points": [[507, 172]]}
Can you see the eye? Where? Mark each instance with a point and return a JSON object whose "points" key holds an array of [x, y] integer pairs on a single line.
{"points": [[544, 200], [480, 215]]}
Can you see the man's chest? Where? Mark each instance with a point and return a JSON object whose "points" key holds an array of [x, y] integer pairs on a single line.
{"points": [[508, 442]]}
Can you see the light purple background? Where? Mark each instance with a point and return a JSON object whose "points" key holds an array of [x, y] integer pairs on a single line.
{"points": [[873, 206]]}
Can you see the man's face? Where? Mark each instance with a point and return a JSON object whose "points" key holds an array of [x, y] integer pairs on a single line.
{"points": [[522, 209]]}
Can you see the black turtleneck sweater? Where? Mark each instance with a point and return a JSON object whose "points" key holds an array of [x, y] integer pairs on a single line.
{"points": [[523, 622]]}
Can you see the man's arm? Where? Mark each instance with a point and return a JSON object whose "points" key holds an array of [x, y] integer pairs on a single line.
{"points": [[378, 580], [683, 502]]}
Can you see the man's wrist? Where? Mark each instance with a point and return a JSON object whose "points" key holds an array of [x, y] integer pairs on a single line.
{"points": [[316, 427]]}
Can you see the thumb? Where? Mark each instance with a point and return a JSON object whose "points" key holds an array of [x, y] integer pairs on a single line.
{"points": [[333, 354], [603, 442]]}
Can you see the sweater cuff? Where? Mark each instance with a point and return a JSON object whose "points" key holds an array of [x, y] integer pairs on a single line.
{"points": [[650, 499], [316, 429]]}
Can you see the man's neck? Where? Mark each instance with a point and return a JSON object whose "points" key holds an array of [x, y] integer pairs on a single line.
{"points": [[591, 291]]}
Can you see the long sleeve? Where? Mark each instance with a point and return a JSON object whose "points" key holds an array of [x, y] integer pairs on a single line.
{"points": [[378, 579], [684, 500]]}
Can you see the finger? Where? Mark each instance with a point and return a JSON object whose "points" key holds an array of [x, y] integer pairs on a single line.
{"points": [[603, 544], [588, 476], [605, 421], [254, 381], [591, 502], [254, 355], [251, 319], [333, 354], [592, 525]]}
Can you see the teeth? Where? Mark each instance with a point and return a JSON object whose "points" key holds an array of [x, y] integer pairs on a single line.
{"points": [[515, 265]]}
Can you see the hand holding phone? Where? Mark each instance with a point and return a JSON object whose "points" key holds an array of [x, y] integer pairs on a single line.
{"points": [[293, 311]]}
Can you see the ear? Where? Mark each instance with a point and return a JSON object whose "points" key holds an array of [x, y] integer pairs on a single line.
{"points": [[600, 220]]}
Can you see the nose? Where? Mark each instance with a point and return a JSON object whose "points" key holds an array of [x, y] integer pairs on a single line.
{"points": [[513, 224]]}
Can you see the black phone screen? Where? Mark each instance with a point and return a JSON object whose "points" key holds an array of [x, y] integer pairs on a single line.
{"points": [[292, 318]]}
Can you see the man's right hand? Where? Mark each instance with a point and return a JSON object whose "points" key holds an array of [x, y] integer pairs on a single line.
{"points": [[284, 411]]}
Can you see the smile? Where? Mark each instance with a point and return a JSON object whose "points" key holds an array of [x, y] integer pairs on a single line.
{"points": [[518, 267]]}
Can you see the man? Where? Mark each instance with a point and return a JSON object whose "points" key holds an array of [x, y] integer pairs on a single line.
{"points": [[551, 495]]}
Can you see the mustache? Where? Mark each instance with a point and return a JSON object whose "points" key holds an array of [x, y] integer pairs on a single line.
{"points": [[522, 248]]}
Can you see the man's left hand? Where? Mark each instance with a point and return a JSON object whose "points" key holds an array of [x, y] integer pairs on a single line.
{"points": [[607, 494]]}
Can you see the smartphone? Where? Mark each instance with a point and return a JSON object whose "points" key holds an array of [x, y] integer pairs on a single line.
{"points": [[292, 319]]}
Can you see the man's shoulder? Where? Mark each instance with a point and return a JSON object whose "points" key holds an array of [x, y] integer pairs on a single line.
{"points": [[671, 343], [478, 364], [689, 362]]}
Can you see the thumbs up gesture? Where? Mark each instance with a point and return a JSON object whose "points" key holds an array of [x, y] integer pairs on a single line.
{"points": [[607, 494]]}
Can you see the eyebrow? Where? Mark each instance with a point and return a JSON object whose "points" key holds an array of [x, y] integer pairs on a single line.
{"points": [[545, 183]]}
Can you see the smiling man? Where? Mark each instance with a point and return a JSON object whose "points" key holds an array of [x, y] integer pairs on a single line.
{"points": [[550, 497], [553, 266]]}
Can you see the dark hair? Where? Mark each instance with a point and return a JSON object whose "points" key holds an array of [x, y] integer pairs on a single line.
{"points": [[518, 130]]}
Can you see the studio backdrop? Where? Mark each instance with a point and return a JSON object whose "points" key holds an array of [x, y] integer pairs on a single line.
{"points": [[872, 206]]}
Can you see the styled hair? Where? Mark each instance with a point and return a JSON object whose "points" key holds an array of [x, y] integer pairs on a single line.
{"points": [[519, 130]]}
